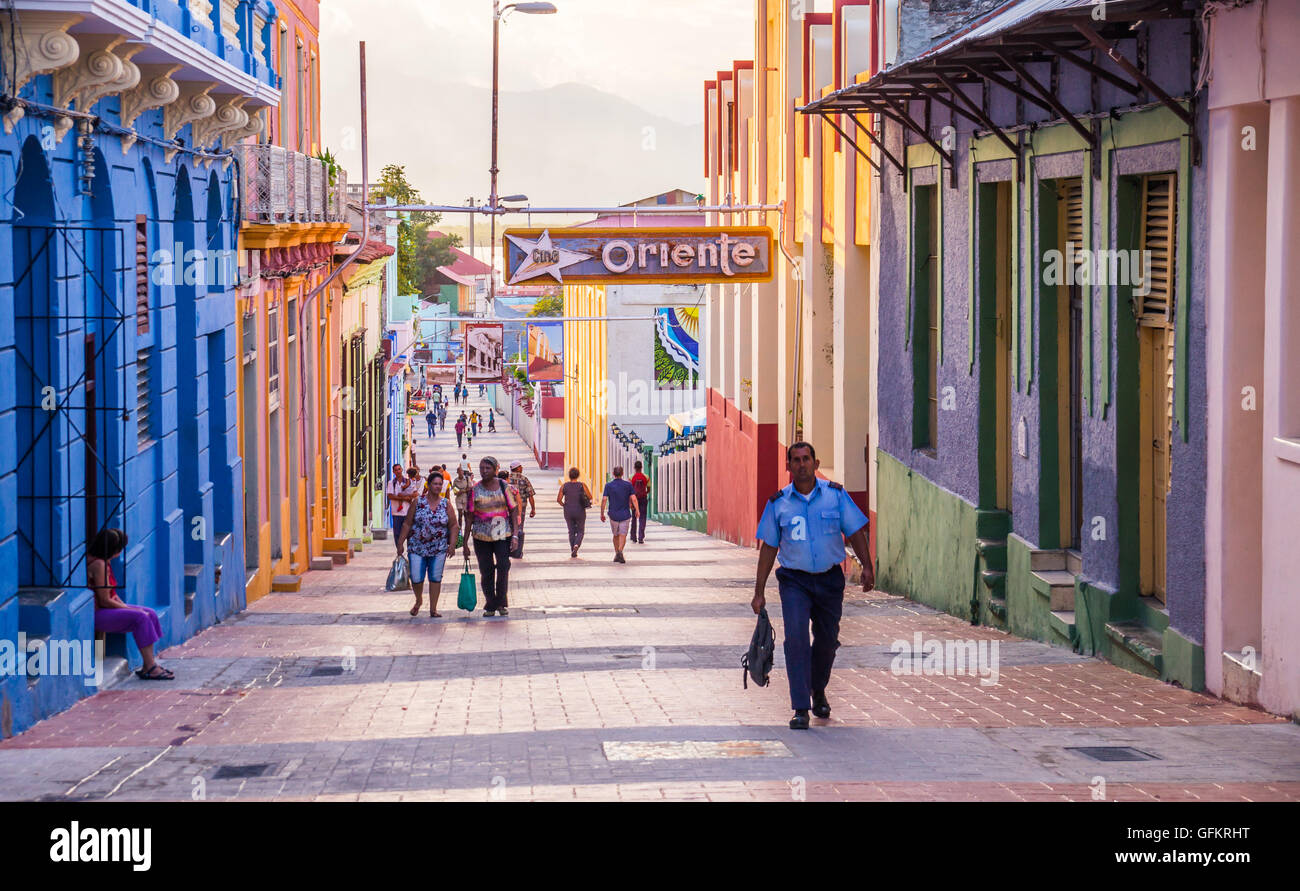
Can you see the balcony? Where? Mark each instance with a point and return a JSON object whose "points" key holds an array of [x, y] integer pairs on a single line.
{"points": [[284, 187]]}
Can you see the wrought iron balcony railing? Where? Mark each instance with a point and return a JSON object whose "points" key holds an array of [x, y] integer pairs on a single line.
{"points": [[283, 186]]}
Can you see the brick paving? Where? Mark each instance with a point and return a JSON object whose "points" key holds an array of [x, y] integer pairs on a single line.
{"points": [[622, 682]]}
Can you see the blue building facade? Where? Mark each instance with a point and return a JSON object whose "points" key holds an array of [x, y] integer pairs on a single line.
{"points": [[118, 338]]}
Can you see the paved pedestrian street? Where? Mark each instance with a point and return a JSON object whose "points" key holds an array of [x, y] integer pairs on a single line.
{"points": [[617, 682]]}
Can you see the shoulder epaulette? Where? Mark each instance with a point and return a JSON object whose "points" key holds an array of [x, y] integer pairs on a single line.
{"points": [[776, 496], [835, 485]]}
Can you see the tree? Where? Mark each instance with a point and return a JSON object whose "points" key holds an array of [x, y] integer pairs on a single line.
{"points": [[418, 255], [550, 305]]}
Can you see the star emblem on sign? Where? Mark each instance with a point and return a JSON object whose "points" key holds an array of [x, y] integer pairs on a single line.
{"points": [[542, 257]]}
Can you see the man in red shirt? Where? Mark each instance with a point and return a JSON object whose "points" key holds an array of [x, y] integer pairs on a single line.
{"points": [[641, 488]]}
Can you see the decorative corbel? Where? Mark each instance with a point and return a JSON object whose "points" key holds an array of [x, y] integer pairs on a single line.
{"points": [[229, 116], [255, 127], [129, 80], [40, 46], [155, 90], [95, 65], [194, 105]]}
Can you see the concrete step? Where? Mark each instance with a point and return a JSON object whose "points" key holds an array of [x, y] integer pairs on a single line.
{"points": [[287, 583], [1057, 586], [1047, 560], [994, 552], [378, 534], [321, 564], [1062, 622], [1143, 643], [1073, 562], [357, 545]]}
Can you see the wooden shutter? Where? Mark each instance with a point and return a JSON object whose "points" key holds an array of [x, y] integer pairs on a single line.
{"points": [[1157, 307], [141, 275], [1072, 193]]}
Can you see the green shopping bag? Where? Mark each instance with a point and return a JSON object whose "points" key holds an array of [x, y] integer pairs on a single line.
{"points": [[468, 597]]}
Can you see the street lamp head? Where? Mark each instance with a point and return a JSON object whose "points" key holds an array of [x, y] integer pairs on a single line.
{"points": [[536, 8], [513, 198]]}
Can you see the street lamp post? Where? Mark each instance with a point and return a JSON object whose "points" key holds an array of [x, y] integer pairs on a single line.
{"points": [[497, 14]]}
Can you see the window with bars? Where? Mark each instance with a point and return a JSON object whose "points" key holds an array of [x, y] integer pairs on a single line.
{"points": [[143, 399], [141, 275]]}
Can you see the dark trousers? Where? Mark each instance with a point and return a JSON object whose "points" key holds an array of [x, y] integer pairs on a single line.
{"points": [[432, 433], [494, 571], [577, 524], [816, 597], [460, 438], [638, 522]]}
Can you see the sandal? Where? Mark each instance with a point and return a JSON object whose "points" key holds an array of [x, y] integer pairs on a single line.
{"points": [[434, 615], [415, 610], [157, 673]]}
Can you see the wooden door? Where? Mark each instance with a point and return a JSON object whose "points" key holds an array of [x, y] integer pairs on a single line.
{"points": [[1155, 310]]}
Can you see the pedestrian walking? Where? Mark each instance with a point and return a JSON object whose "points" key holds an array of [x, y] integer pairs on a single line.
{"points": [[575, 498], [113, 615], [429, 537], [460, 433], [460, 487], [442, 415], [473, 423], [432, 419], [527, 498], [641, 488], [492, 421], [620, 498], [480, 389], [805, 525], [400, 494], [492, 518]]}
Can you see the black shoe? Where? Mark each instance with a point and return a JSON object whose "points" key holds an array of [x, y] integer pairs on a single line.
{"points": [[618, 558], [505, 612], [821, 708], [800, 720], [489, 613]]}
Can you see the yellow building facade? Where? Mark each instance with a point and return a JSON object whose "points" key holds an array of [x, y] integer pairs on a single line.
{"points": [[792, 359], [586, 404]]}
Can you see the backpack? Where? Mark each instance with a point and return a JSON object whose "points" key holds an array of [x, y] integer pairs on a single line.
{"points": [[757, 663], [639, 486]]}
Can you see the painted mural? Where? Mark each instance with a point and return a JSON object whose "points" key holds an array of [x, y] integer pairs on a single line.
{"points": [[677, 347]]}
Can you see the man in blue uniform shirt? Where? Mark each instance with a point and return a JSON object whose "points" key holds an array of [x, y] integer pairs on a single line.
{"points": [[805, 525]]}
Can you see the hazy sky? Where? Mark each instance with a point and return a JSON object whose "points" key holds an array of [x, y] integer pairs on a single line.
{"points": [[429, 62]]}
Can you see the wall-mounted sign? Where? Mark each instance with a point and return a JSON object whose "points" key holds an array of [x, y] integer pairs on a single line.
{"points": [[484, 360], [546, 352], [618, 256]]}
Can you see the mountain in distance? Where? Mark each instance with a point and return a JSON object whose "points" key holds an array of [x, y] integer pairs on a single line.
{"points": [[563, 146]]}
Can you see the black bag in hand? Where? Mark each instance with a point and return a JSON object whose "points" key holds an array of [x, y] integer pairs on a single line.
{"points": [[757, 663]]}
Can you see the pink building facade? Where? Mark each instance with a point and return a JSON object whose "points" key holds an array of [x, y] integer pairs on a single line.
{"points": [[1253, 321]]}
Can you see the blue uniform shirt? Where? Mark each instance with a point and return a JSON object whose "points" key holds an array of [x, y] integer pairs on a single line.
{"points": [[808, 531]]}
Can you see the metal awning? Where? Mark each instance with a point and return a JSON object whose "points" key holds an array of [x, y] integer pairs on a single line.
{"points": [[994, 51]]}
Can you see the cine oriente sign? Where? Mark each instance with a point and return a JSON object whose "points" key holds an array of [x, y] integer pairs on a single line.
{"points": [[619, 256]]}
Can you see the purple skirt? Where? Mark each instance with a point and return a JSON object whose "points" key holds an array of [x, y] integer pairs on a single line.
{"points": [[137, 620]]}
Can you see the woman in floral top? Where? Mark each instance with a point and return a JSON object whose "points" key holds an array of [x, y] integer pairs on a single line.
{"points": [[430, 536], [492, 521]]}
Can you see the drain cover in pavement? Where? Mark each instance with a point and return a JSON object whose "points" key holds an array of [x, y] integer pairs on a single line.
{"points": [[670, 750], [241, 771], [326, 671], [1112, 753]]}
